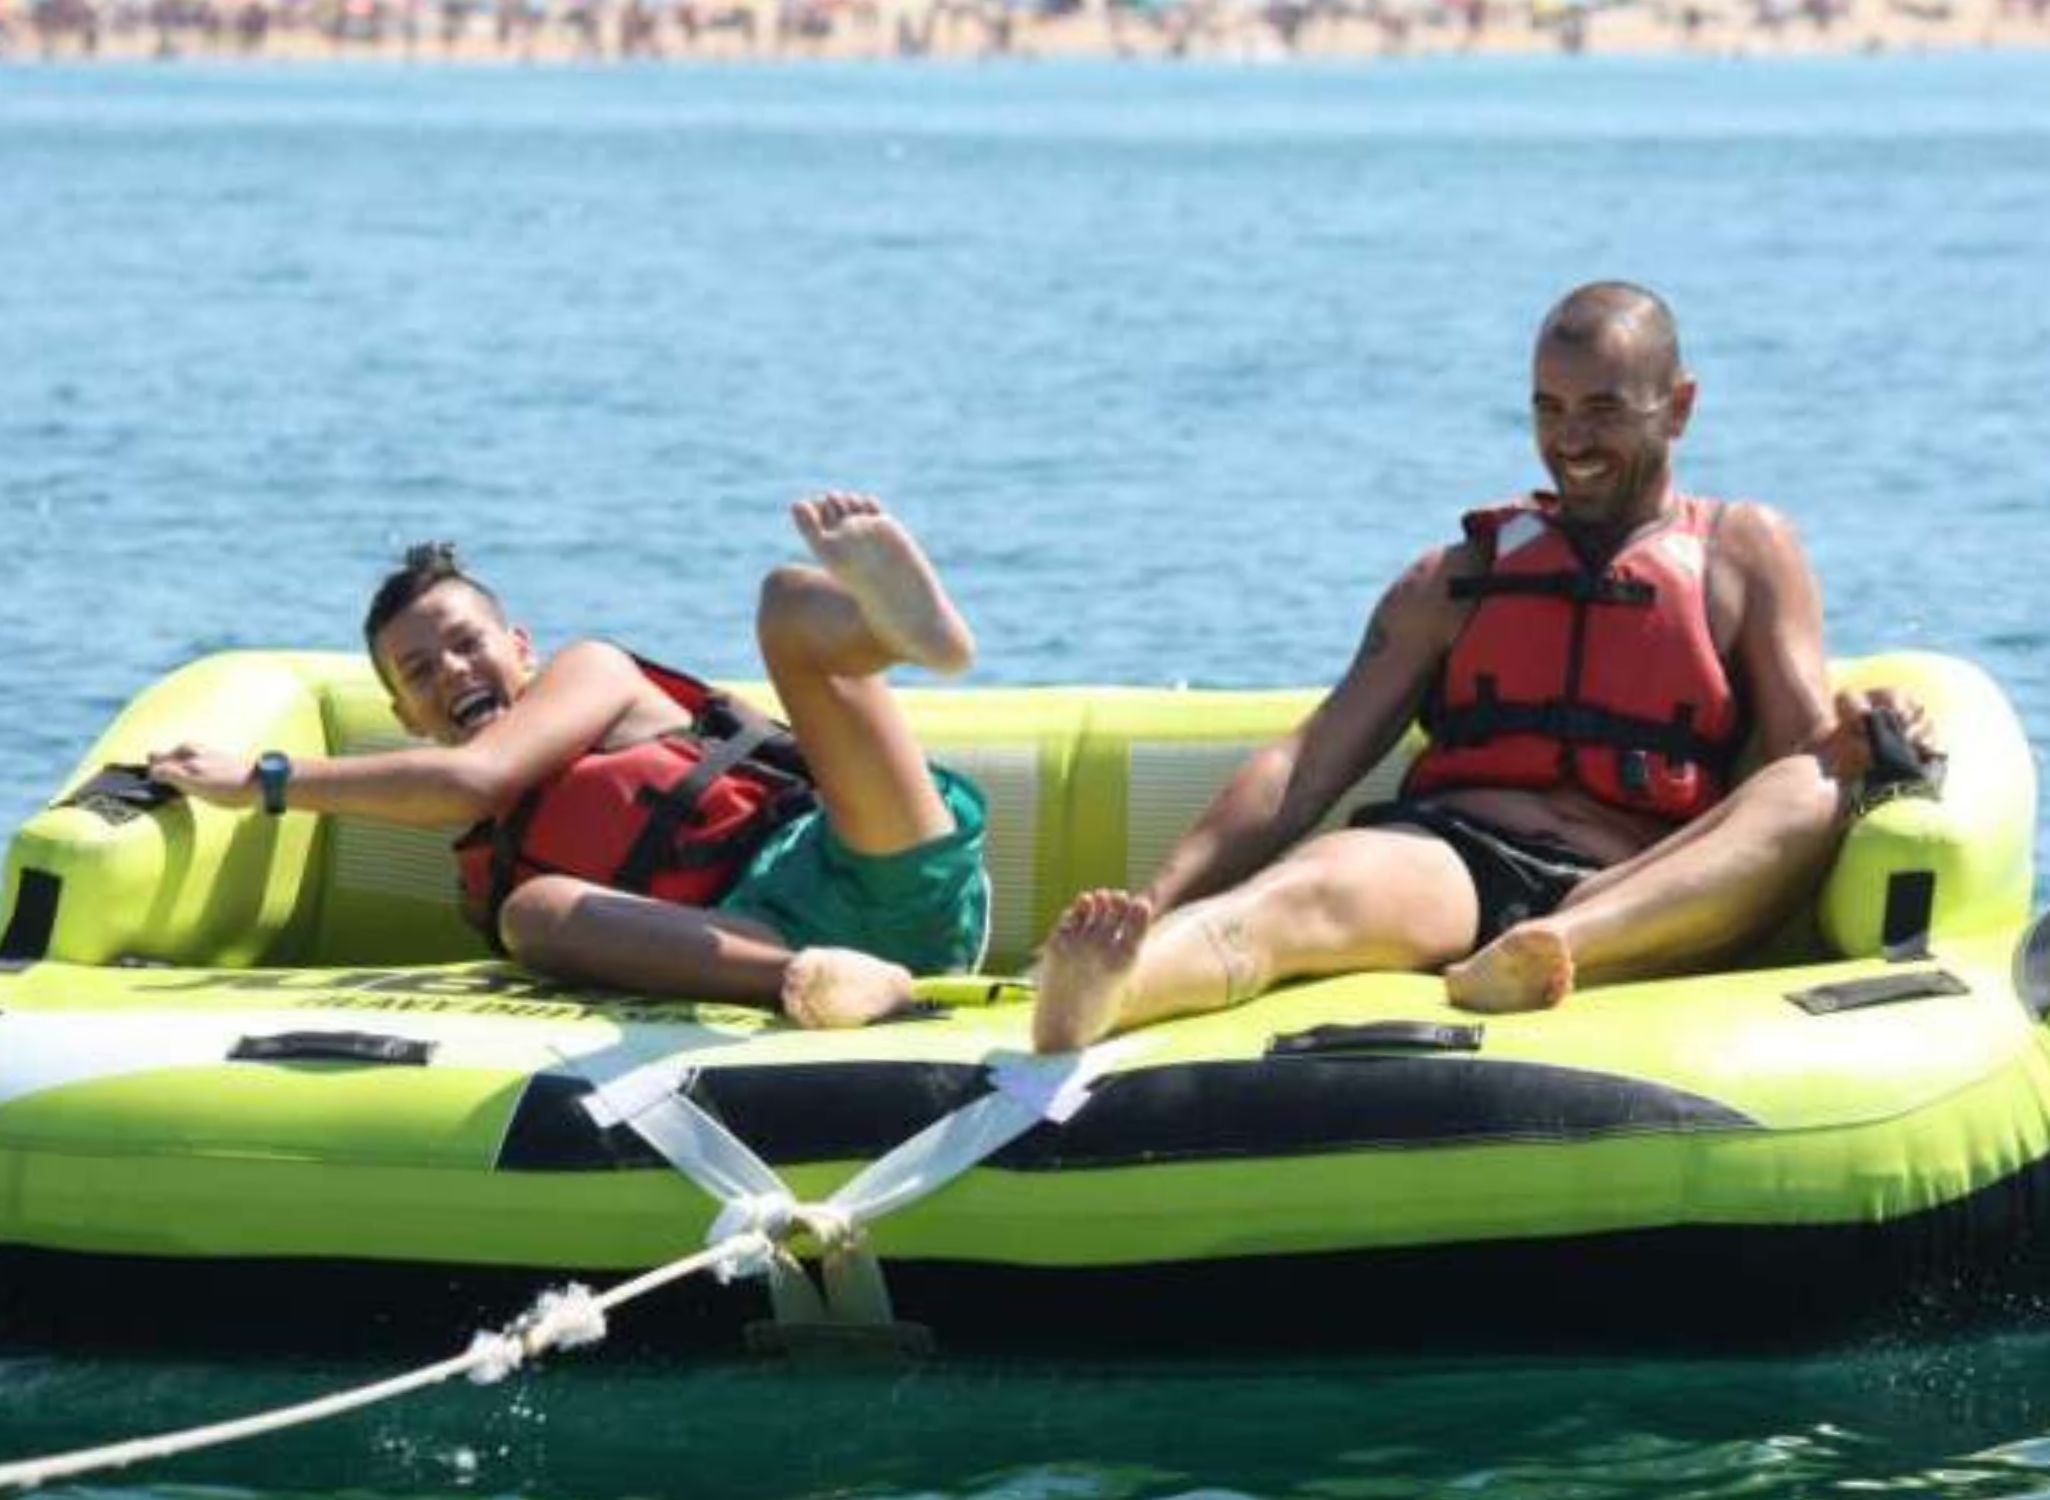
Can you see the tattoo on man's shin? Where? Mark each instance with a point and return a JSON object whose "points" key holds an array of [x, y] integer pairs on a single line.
{"points": [[1234, 949]]}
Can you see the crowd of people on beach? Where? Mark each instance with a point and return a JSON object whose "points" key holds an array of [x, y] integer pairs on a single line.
{"points": [[649, 30]]}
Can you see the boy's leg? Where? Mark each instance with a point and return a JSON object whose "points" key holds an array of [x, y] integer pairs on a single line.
{"points": [[827, 635], [590, 934], [1715, 885], [1376, 898]]}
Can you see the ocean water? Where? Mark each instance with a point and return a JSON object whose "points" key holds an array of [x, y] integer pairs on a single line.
{"points": [[1172, 368]]}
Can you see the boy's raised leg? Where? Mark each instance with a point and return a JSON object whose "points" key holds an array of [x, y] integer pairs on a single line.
{"points": [[827, 636]]}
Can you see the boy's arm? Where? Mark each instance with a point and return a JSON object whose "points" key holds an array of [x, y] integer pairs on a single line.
{"points": [[573, 703]]}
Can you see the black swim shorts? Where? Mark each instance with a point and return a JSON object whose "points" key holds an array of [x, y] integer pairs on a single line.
{"points": [[1516, 876]]}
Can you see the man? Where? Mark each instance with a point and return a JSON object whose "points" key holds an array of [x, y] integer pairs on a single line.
{"points": [[1588, 662], [826, 912]]}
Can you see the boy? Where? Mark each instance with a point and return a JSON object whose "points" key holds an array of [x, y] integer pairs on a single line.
{"points": [[825, 910]]}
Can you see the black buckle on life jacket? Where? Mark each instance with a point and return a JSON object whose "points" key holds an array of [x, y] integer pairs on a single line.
{"points": [[1471, 726], [1633, 764], [1683, 724]]}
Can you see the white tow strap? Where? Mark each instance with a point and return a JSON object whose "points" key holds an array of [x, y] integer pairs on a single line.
{"points": [[652, 1100], [648, 1100], [1028, 1089]]}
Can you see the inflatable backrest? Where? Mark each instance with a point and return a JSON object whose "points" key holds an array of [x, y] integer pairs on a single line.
{"points": [[1086, 787], [388, 894]]}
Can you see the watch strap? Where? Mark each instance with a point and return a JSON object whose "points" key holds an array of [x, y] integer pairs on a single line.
{"points": [[273, 771]]}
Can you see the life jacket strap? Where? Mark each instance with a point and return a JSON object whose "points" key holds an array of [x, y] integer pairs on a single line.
{"points": [[508, 838], [1576, 588], [1488, 718], [721, 716], [654, 847]]}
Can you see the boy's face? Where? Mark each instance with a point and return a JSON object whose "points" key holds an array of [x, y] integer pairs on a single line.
{"points": [[452, 663]]}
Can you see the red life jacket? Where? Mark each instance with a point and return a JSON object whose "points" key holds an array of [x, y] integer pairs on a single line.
{"points": [[676, 817], [1606, 678]]}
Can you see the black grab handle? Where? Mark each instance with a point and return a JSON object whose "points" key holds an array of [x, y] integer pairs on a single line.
{"points": [[1898, 768], [333, 1046], [119, 792], [1378, 1036]]}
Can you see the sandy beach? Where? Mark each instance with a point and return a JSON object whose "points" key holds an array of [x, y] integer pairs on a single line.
{"points": [[518, 32]]}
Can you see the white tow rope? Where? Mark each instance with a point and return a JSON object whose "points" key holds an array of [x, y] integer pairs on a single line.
{"points": [[563, 1318], [758, 1216]]}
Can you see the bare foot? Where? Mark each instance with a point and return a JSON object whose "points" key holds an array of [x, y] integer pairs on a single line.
{"points": [[832, 987], [1084, 967], [1529, 967], [900, 595]]}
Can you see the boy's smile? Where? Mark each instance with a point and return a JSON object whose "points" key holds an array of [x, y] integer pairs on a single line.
{"points": [[453, 663]]}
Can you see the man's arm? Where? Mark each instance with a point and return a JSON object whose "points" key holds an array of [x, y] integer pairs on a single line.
{"points": [[1287, 787], [572, 705], [1778, 646]]}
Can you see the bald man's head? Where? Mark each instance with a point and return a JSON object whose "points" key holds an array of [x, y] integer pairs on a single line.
{"points": [[1620, 319], [1609, 398]]}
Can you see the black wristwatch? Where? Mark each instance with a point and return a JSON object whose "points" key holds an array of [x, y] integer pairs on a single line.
{"points": [[273, 770]]}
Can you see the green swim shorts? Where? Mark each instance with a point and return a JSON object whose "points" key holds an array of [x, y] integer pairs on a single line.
{"points": [[926, 908]]}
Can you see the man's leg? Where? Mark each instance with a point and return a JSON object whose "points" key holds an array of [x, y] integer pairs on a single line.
{"points": [[1716, 885], [1378, 898]]}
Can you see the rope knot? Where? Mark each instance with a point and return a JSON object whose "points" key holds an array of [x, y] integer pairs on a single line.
{"points": [[833, 1227], [496, 1356], [560, 1318], [748, 1231], [770, 1215]]}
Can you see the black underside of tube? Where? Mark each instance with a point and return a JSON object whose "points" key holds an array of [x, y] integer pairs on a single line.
{"points": [[1981, 1261], [1212, 1111]]}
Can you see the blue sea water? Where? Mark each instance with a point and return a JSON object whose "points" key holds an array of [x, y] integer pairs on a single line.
{"points": [[1172, 368]]}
